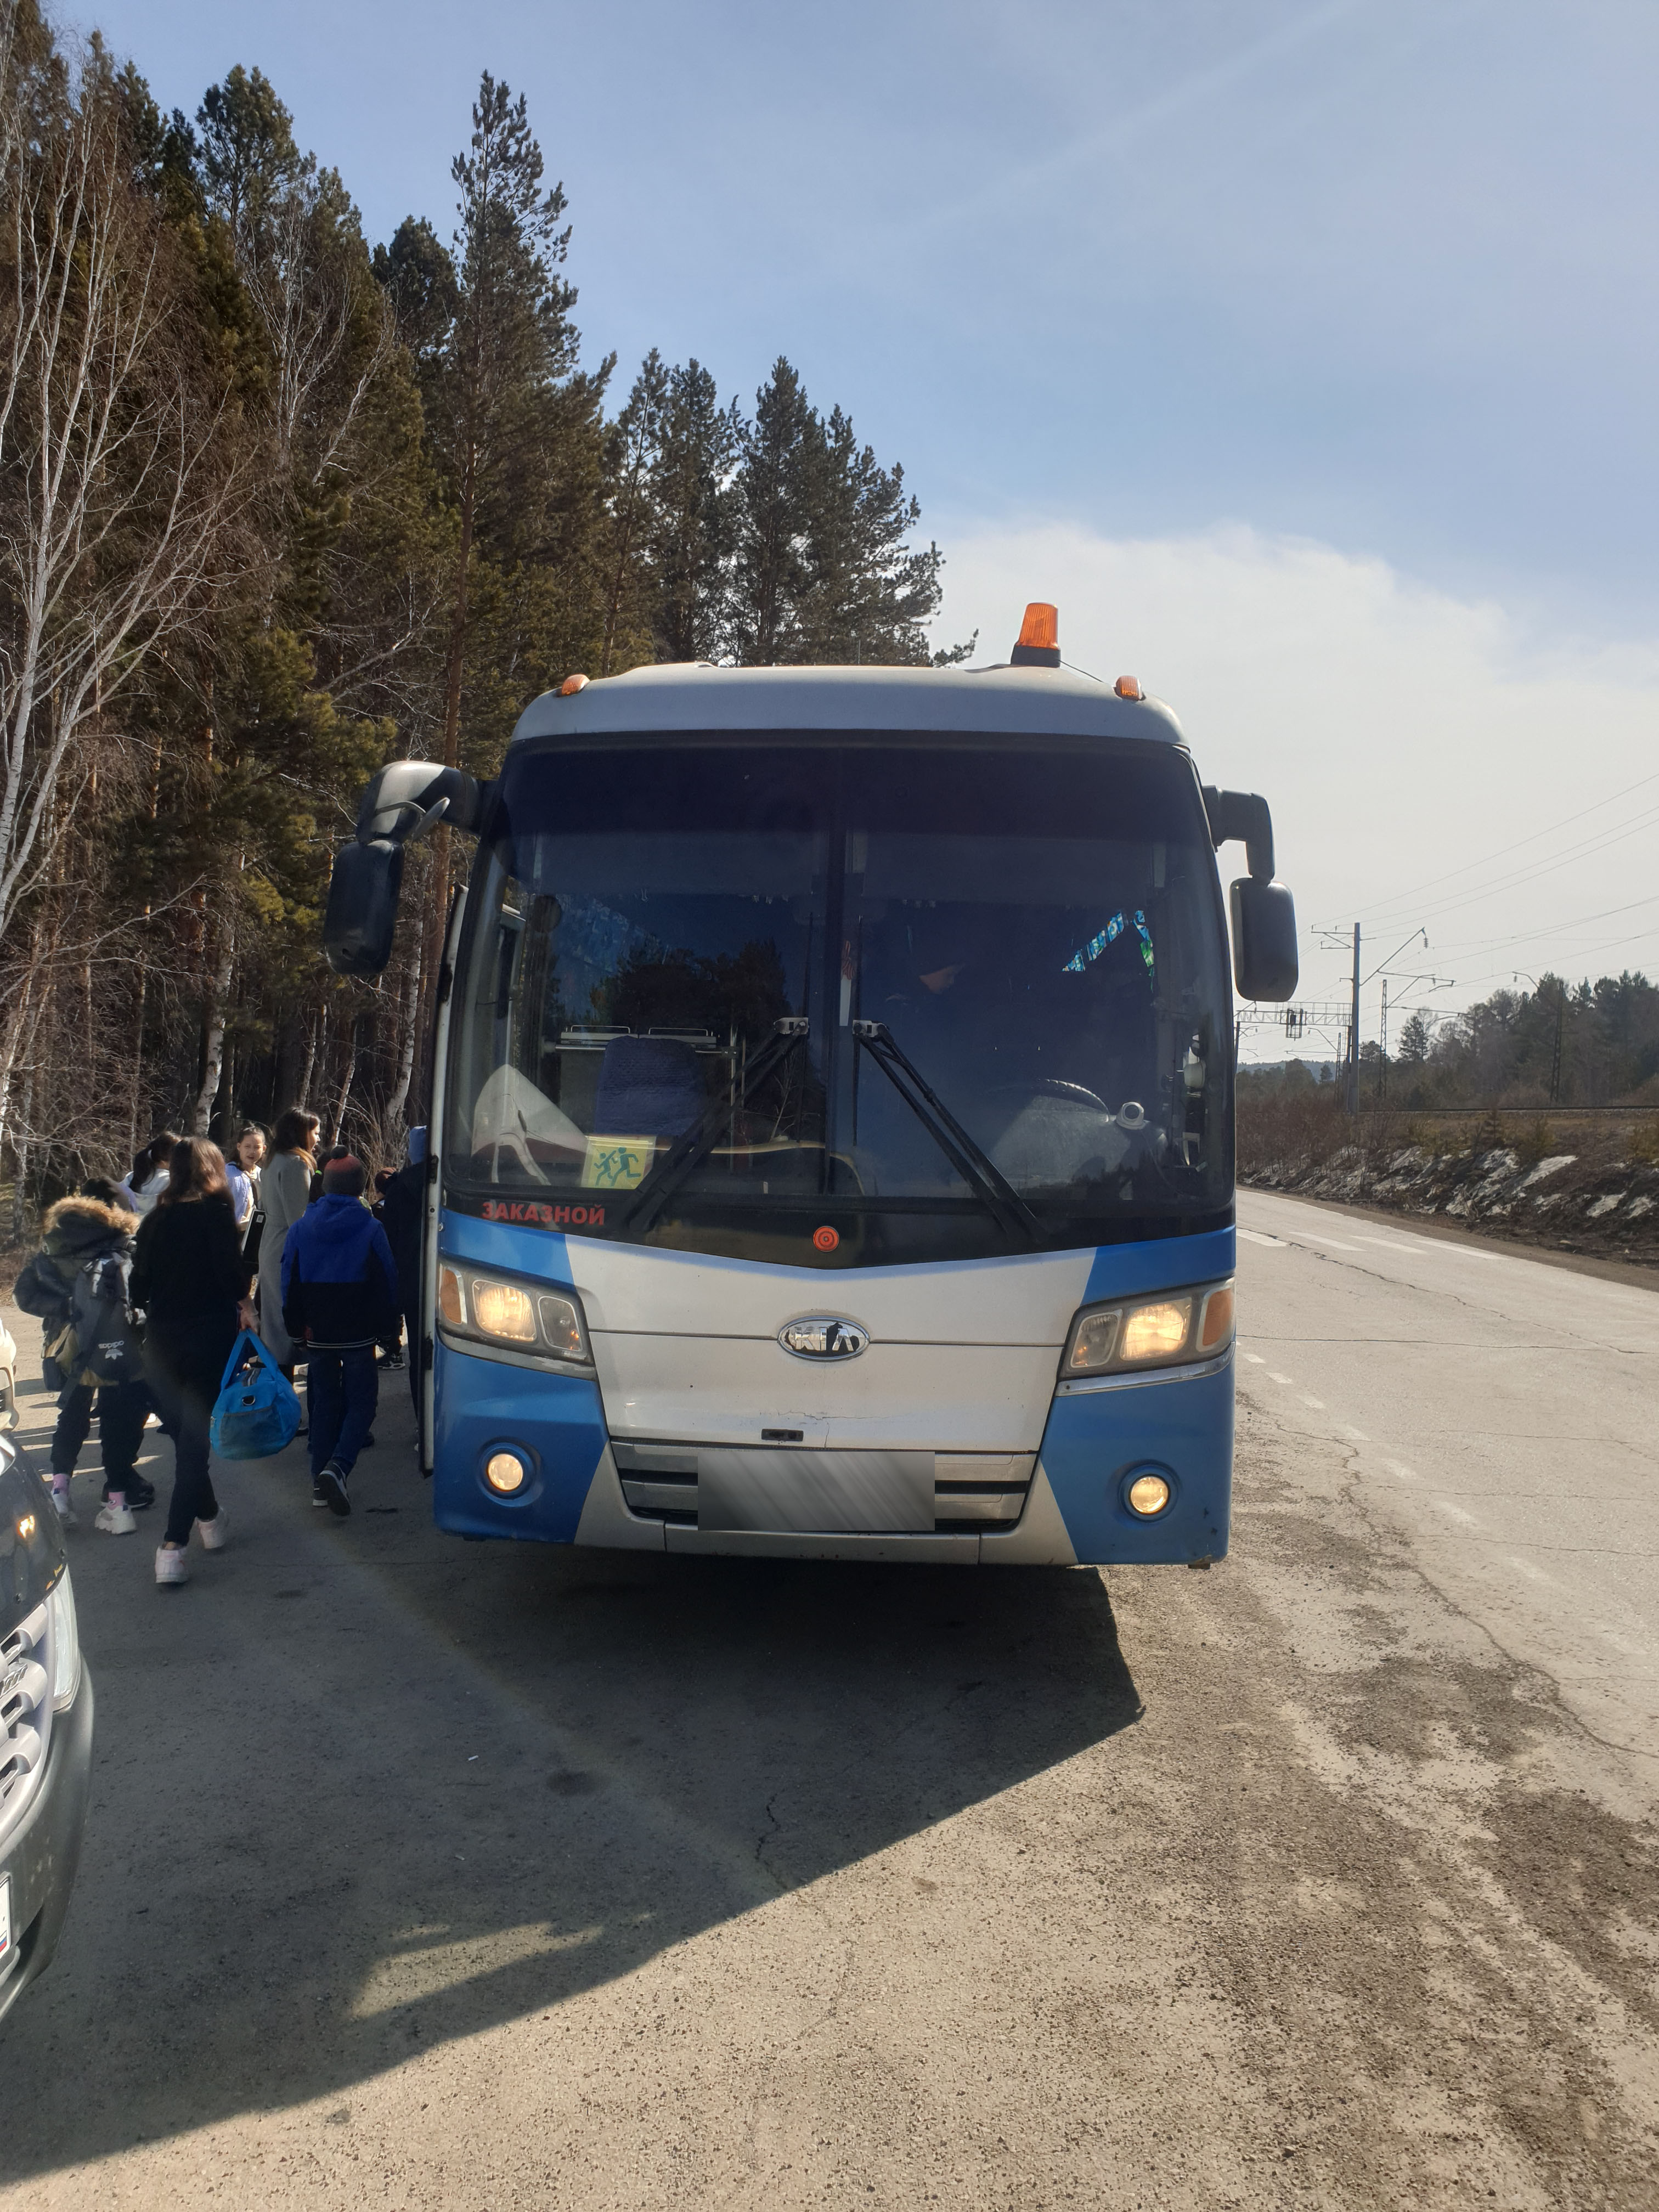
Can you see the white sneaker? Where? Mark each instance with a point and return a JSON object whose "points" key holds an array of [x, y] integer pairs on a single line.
{"points": [[116, 1521], [65, 1511], [215, 1533], [171, 1566]]}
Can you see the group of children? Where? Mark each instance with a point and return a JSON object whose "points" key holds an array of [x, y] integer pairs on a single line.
{"points": [[142, 1288]]}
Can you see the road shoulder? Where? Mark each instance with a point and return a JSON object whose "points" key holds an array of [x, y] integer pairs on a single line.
{"points": [[1431, 1225]]}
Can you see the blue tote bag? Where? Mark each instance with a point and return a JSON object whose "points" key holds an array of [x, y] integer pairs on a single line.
{"points": [[256, 1412]]}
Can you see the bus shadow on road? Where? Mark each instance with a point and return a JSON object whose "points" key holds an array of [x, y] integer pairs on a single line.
{"points": [[411, 1789]]}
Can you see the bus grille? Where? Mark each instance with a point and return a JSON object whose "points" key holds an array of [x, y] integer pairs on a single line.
{"points": [[970, 1493]]}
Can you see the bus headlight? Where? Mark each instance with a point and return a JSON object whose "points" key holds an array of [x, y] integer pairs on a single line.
{"points": [[486, 1308], [1176, 1326], [1157, 1332]]}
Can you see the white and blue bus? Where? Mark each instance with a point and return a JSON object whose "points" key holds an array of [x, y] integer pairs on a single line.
{"points": [[831, 1144]]}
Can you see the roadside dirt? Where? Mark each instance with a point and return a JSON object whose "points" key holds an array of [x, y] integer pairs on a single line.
{"points": [[1585, 1195]]}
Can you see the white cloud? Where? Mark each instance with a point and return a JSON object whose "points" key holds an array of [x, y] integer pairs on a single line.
{"points": [[1399, 732]]}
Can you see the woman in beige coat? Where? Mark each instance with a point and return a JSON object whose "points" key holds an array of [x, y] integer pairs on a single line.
{"points": [[284, 1194]]}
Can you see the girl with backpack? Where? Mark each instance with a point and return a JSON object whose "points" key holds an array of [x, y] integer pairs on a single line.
{"points": [[77, 1284], [190, 1276]]}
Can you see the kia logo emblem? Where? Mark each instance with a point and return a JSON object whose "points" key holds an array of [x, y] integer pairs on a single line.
{"points": [[824, 1336]]}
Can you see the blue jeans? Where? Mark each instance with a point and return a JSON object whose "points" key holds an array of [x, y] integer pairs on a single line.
{"points": [[343, 1389]]}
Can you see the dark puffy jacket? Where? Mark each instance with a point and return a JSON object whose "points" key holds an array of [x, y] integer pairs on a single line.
{"points": [[339, 1280], [76, 1230]]}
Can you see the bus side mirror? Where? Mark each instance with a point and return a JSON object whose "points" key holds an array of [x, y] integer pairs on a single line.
{"points": [[402, 802], [1265, 964], [363, 907]]}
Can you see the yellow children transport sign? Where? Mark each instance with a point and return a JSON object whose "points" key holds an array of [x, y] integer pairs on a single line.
{"points": [[617, 1162]]}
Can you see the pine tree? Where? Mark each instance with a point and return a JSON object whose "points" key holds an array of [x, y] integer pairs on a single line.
{"points": [[418, 277], [511, 337], [776, 488], [631, 454], [868, 595], [692, 530], [246, 149], [823, 570]]}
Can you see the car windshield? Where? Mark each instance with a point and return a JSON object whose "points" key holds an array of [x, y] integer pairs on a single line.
{"points": [[711, 965]]}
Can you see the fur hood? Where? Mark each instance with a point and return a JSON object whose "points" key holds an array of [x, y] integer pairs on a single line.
{"points": [[77, 1224]]}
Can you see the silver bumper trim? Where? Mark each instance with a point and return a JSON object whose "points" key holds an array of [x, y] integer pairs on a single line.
{"points": [[1193, 1371]]}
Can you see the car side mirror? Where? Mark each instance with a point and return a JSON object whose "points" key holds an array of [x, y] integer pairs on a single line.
{"points": [[363, 907], [1265, 964]]}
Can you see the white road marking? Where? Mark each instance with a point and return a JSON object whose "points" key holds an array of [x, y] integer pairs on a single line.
{"points": [[1526, 1567], [1318, 1404], [1255, 1237], [1455, 1512], [1273, 1378], [1255, 1359], [1406, 1473], [1354, 1436], [1392, 1243], [1313, 1236]]}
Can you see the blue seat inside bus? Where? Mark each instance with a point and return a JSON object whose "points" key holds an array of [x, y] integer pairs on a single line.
{"points": [[648, 1087]]}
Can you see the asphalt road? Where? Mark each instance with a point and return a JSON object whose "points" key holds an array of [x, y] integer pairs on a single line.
{"points": [[428, 1875]]}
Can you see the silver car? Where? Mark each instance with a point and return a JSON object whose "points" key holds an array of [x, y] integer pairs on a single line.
{"points": [[45, 1729]]}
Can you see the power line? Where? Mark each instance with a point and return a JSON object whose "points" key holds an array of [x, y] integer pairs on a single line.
{"points": [[1502, 851], [1550, 929], [1600, 842]]}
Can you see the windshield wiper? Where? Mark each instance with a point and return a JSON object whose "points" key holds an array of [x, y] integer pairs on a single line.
{"points": [[689, 1150], [975, 1166]]}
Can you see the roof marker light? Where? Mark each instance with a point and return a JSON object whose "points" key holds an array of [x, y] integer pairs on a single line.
{"points": [[1039, 638], [571, 685], [1128, 687]]}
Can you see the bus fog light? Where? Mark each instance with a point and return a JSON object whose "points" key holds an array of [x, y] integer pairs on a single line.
{"points": [[1148, 1495], [506, 1473]]}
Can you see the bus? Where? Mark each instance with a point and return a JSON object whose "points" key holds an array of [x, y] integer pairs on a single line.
{"points": [[830, 1148]]}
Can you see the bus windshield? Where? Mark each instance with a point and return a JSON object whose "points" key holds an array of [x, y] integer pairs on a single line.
{"points": [[713, 964]]}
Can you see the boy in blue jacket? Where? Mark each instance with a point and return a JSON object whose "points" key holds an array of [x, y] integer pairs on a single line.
{"points": [[339, 1298]]}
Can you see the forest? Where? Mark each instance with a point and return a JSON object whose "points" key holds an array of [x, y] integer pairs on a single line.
{"points": [[1559, 1044], [278, 504]]}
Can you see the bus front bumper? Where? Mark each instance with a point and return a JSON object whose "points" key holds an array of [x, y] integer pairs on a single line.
{"points": [[1097, 1440]]}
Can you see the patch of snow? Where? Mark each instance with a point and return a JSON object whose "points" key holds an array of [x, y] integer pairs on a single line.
{"points": [[1638, 1207], [1605, 1205], [1549, 1167]]}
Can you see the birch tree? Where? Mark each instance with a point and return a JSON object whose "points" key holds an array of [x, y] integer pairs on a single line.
{"points": [[118, 473]]}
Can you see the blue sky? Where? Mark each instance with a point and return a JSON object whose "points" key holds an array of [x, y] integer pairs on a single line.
{"points": [[1338, 322]]}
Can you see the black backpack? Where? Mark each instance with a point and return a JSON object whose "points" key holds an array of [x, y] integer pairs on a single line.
{"points": [[106, 1338]]}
